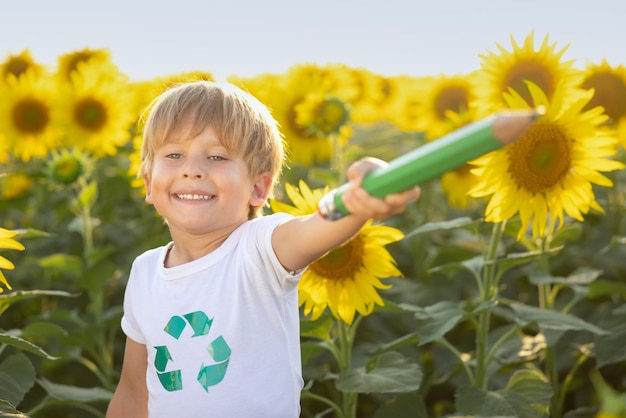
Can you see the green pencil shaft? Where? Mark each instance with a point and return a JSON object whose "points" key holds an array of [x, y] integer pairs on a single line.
{"points": [[428, 161]]}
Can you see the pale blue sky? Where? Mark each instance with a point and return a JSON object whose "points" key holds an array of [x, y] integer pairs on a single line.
{"points": [[149, 38]]}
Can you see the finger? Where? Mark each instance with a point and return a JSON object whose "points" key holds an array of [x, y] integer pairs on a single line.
{"points": [[404, 197], [358, 202], [359, 169]]}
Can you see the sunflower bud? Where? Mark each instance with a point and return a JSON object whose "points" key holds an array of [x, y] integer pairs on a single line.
{"points": [[67, 166]]}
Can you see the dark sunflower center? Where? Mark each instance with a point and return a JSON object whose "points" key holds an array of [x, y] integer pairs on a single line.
{"points": [[342, 262], [386, 89], [530, 71], [452, 98], [30, 116], [302, 131], [90, 114], [609, 92], [16, 66], [75, 60], [331, 115], [541, 158]]}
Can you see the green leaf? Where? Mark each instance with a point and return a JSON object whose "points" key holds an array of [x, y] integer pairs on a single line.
{"points": [[527, 394], [41, 329], [22, 344], [601, 288], [391, 372], [434, 321], [516, 259], [17, 376], [7, 410], [553, 320], [568, 233], [411, 339], [9, 298], [63, 263], [320, 328], [75, 393], [405, 405], [31, 233], [308, 349], [428, 227], [474, 264], [96, 277], [609, 348], [88, 195], [582, 276]]}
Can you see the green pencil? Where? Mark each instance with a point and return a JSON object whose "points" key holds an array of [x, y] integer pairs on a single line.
{"points": [[436, 157]]}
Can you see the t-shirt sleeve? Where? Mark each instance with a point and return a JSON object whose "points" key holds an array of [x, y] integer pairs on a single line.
{"points": [[288, 279]]}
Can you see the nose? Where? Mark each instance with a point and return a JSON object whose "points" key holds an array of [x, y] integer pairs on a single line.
{"points": [[193, 168]]}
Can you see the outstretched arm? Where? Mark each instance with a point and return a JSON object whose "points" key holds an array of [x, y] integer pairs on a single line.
{"points": [[302, 240], [131, 396]]}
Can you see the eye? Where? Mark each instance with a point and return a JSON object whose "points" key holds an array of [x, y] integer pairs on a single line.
{"points": [[216, 158], [174, 156]]}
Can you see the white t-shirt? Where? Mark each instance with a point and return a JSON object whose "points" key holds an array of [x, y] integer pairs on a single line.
{"points": [[222, 332]]}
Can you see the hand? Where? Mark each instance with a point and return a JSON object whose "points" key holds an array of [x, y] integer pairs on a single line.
{"points": [[360, 203]]}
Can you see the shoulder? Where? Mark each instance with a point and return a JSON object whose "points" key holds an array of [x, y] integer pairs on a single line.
{"points": [[257, 233], [151, 256], [270, 221]]}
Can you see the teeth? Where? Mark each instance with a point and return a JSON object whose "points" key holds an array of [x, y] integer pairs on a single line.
{"points": [[189, 196]]}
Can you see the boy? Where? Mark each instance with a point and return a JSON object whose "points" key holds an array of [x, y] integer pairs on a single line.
{"points": [[211, 319]]}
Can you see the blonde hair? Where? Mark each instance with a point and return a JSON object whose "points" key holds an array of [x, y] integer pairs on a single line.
{"points": [[243, 124]]}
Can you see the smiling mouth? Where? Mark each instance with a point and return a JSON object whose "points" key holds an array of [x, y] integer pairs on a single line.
{"points": [[189, 196]]}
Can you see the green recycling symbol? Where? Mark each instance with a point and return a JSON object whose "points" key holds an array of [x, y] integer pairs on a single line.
{"points": [[218, 349]]}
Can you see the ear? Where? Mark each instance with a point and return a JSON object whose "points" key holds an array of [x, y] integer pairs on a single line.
{"points": [[261, 187], [148, 183]]}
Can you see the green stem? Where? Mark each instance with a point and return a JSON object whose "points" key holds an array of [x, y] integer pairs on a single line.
{"points": [[103, 356], [334, 406], [489, 291], [568, 380], [87, 224], [497, 344], [338, 163], [546, 301], [345, 346], [457, 353]]}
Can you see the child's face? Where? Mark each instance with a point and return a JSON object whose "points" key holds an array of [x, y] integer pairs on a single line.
{"points": [[199, 186]]}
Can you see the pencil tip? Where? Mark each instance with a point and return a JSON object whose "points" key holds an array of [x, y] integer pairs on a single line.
{"points": [[540, 110]]}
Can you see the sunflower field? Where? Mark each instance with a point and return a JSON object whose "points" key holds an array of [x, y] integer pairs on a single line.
{"points": [[499, 293]]}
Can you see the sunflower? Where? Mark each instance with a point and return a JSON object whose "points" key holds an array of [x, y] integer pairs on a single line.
{"points": [[7, 242], [347, 278], [445, 95], [98, 108], [323, 114], [67, 166], [135, 162], [145, 91], [294, 89], [27, 111], [404, 110], [373, 97], [550, 170], [609, 86], [15, 185], [511, 69], [19, 64], [70, 63]]}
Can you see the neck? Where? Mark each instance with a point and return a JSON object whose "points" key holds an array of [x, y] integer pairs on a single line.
{"points": [[187, 248]]}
